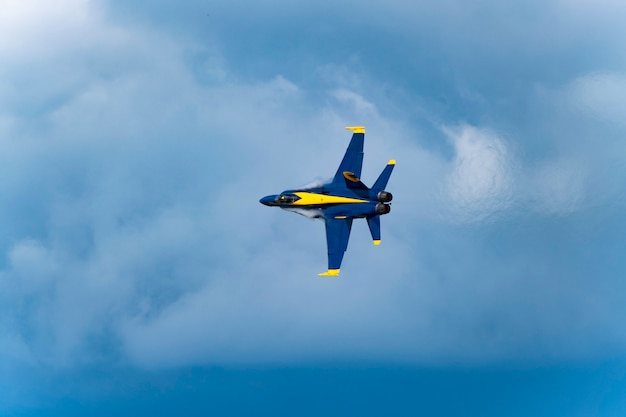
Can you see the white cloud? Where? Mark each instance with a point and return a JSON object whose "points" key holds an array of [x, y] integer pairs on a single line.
{"points": [[30, 29], [603, 95], [482, 180], [557, 187], [361, 106]]}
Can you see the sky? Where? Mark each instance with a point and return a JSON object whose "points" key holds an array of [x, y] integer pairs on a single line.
{"points": [[140, 274]]}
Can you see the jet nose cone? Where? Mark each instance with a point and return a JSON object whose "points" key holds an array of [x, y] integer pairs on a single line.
{"points": [[268, 200]]}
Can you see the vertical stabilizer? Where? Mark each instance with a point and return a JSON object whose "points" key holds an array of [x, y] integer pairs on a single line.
{"points": [[382, 180], [374, 224]]}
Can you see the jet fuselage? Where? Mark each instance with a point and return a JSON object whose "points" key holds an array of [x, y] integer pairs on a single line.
{"points": [[341, 201]]}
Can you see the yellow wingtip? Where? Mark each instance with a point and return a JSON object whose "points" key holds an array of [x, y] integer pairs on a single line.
{"points": [[391, 162], [377, 242], [330, 273], [356, 129]]}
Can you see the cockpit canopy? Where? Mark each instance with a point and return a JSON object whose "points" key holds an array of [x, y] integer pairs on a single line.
{"points": [[287, 198]]}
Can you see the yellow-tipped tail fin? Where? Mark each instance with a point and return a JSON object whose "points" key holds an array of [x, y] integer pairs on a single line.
{"points": [[377, 242], [356, 129]]}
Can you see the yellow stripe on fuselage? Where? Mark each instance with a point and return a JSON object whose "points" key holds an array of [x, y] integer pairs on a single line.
{"points": [[313, 199]]}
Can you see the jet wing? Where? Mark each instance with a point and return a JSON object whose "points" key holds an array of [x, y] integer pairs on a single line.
{"points": [[350, 167], [337, 235]]}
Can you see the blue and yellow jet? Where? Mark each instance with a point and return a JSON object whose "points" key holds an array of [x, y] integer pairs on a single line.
{"points": [[342, 200]]}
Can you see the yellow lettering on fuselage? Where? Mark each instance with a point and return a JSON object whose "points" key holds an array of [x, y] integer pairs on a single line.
{"points": [[313, 199]]}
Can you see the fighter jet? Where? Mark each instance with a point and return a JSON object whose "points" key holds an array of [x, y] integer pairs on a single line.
{"points": [[341, 201]]}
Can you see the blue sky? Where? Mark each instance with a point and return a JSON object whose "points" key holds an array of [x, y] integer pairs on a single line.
{"points": [[139, 273]]}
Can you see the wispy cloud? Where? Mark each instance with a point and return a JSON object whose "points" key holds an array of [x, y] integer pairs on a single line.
{"points": [[482, 180], [602, 95]]}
